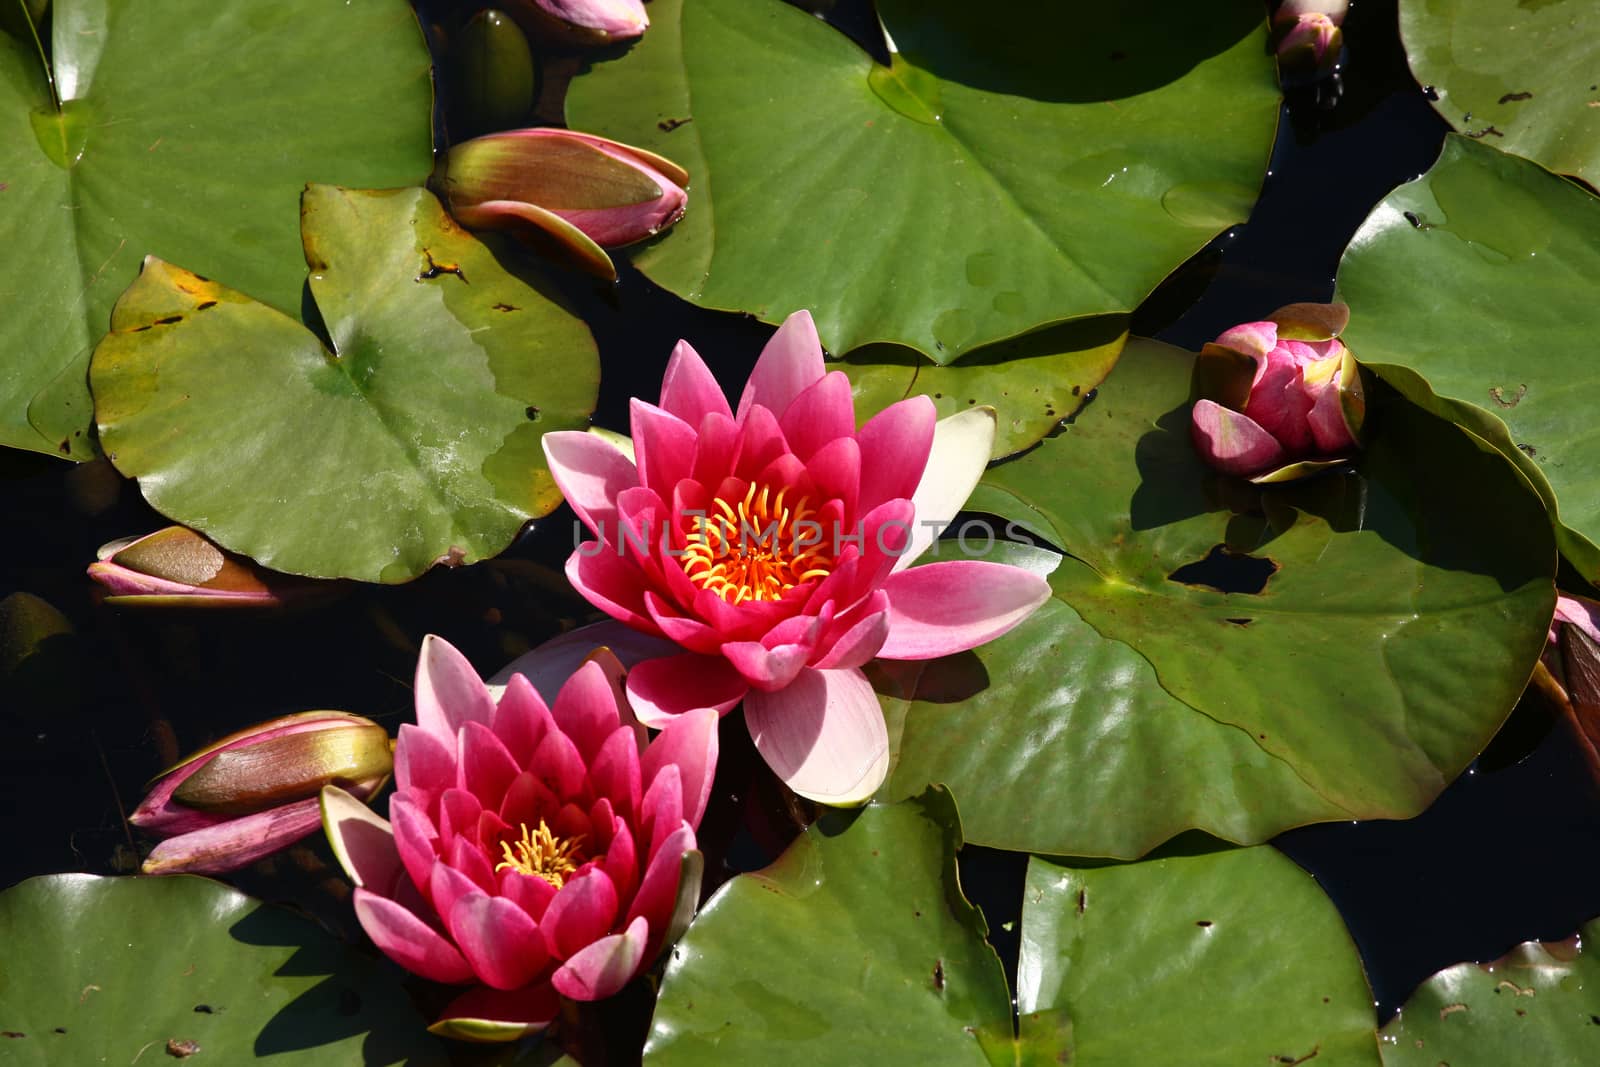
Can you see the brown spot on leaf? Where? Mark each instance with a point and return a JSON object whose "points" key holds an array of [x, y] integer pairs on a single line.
{"points": [[1451, 1009], [938, 974], [181, 1050], [1498, 395], [668, 125], [1509, 97]]}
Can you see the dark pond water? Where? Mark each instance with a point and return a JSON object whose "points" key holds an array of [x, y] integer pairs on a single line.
{"points": [[1507, 853]]}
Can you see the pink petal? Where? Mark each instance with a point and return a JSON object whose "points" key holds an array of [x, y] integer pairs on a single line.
{"points": [[492, 1015], [448, 691], [663, 446], [791, 360], [621, 862], [446, 885], [611, 583], [766, 668], [822, 412], [487, 769], [661, 812], [960, 451], [581, 913], [414, 838], [529, 892], [236, 843], [836, 470], [717, 451], [672, 685], [688, 388], [559, 764], [689, 743], [1232, 442], [889, 534], [940, 608], [498, 939], [857, 642], [362, 840], [898, 440], [1278, 402], [1253, 339], [591, 473], [602, 969], [692, 634], [658, 890], [615, 772], [521, 719], [424, 761], [586, 709], [467, 856], [409, 941], [527, 800], [1329, 429], [458, 814], [1580, 612], [761, 441], [824, 735]]}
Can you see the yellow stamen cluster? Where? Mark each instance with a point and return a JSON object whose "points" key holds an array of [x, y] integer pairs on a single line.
{"points": [[754, 551], [542, 854]]}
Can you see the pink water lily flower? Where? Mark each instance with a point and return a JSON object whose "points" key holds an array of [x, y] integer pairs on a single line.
{"points": [[532, 851], [1281, 398], [773, 544]]}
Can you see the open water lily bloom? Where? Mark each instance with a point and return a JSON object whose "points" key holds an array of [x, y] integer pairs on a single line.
{"points": [[773, 544], [532, 851]]}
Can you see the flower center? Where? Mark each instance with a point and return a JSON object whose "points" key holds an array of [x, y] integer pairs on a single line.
{"points": [[542, 854], [757, 549]]}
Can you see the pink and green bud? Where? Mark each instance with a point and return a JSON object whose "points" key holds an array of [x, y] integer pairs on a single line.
{"points": [[1308, 36], [177, 567], [1279, 399], [582, 192], [256, 791], [585, 22]]}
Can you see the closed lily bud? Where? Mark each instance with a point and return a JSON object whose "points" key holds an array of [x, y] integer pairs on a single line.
{"points": [[1279, 399], [584, 22], [1308, 36], [177, 567], [585, 192], [255, 792]]}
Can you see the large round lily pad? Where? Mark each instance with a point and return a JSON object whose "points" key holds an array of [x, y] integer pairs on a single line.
{"points": [[865, 948], [1473, 290], [1521, 77], [1382, 624], [145, 970], [1233, 957], [188, 129], [1010, 169], [415, 440], [1538, 1004]]}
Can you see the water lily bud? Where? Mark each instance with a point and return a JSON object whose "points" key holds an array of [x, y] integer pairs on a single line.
{"points": [[584, 192], [1279, 399], [1290, 11], [495, 72], [177, 567], [585, 22], [255, 792], [1308, 36]]}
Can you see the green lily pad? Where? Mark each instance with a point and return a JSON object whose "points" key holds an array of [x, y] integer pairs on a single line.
{"points": [[1398, 612], [1540, 1003], [126, 970], [857, 938], [1520, 78], [188, 130], [866, 943], [415, 441], [1012, 168], [1234, 957], [1473, 291], [1033, 382]]}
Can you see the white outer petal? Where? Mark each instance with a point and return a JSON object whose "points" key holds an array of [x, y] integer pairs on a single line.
{"points": [[961, 447]]}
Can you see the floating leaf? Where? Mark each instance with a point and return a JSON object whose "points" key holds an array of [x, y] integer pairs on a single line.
{"points": [[1234, 957], [1521, 79], [1473, 291], [124, 970], [1539, 1003], [1383, 623], [188, 130], [866, 942], [416, 440], [1033, 382], [1011, 169]]}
